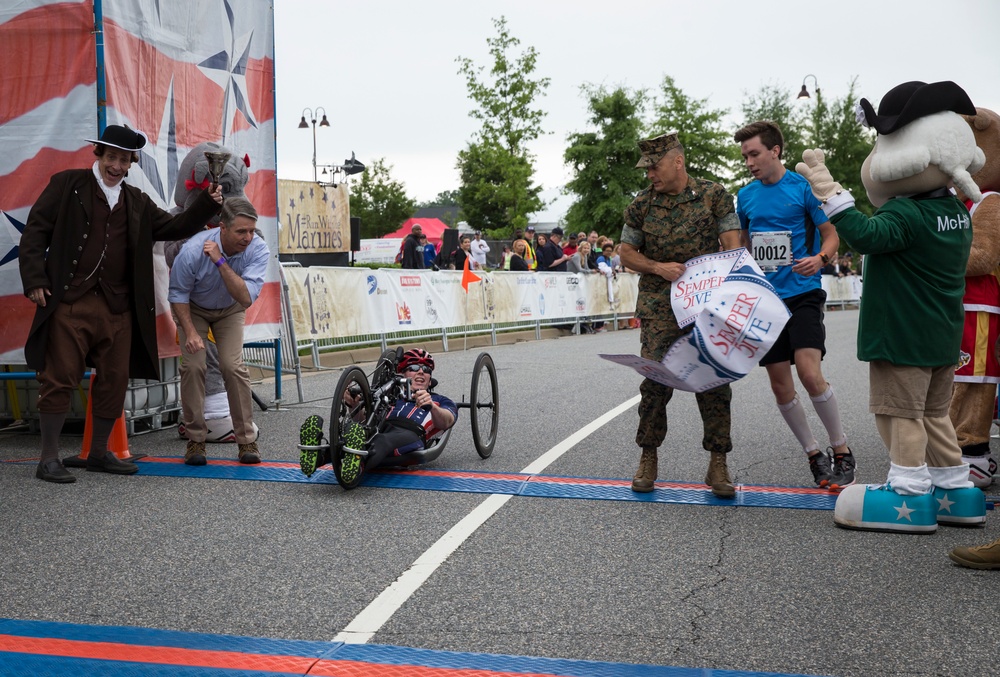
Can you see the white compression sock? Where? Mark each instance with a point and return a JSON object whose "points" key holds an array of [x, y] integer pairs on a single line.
{"points": [[829, 412], [795, 416]]}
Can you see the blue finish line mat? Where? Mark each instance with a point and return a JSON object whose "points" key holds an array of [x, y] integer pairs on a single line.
{"points": [[43, 648], [517, 484]]}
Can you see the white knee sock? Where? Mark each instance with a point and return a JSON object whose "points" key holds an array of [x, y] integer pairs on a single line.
{"points": [[795, 417], [829, 412]]}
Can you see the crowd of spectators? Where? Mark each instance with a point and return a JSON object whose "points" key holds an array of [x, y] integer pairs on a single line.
{"points": [[843, 265]]}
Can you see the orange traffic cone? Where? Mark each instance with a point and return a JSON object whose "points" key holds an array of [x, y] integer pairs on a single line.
{"points": [[117, 442]]}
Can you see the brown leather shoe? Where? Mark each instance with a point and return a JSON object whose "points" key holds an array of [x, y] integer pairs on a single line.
{"points": [[249, 453], [53, 471], [645, 476], [718, 476], [979, 557]]}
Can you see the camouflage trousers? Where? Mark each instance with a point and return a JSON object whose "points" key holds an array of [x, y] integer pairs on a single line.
{"points": [[656, 337]]}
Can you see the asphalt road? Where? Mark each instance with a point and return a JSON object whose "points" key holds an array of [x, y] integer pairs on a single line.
{"points": [[724, 587]]}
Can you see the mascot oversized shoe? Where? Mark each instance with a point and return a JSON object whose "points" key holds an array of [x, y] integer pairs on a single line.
{"points": [[876, 507], [960, 507]]}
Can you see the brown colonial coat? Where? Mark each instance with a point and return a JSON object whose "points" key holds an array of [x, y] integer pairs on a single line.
{"points": [[57, 224]]}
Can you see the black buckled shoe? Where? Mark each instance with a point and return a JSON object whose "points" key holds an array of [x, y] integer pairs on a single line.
{"points": [[109, 463], [54, 471]]}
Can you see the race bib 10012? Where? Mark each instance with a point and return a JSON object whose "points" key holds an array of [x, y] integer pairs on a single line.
{"points": [[771, 249]]}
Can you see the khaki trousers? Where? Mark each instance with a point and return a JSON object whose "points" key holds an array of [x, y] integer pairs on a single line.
{"points": [[227, 328]]}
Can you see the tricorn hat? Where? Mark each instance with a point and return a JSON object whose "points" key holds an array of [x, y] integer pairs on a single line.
{"points": [[121, 136], [905, 103]]}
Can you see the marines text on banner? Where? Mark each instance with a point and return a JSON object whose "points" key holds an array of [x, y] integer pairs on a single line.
{"points": [[182, 73], [315, 219], [330, 303]]}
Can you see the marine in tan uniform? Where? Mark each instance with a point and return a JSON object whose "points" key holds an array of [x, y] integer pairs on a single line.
{"points": [[675, 219]]}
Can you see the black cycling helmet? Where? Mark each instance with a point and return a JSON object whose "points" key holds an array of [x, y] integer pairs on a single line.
{"points": [[415, 356]]}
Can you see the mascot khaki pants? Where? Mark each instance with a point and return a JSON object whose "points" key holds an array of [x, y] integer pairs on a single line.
{"points": [[911, 413], [656, 337], [227, 328]]}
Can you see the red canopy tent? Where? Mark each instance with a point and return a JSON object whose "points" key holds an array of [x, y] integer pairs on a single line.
{"points": [[432, 228]]}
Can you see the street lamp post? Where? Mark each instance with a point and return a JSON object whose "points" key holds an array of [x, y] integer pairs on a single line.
{"points": [[804, 93], [305, 125]]}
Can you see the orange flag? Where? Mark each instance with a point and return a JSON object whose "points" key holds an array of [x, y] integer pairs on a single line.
{"points": [[468, 277]]}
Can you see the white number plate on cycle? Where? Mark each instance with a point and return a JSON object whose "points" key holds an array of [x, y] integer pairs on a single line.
{"points": [[772, 249]]}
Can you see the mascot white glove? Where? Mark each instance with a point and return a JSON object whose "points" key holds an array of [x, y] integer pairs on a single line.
{"points": [[833, 196]]}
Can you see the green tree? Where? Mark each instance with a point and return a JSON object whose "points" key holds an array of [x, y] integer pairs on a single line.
{"points": [[446, 207], [496, 194], [446, 198], [603, 161], [834, 128], [703, 131], [505, 104], [381, 202]]}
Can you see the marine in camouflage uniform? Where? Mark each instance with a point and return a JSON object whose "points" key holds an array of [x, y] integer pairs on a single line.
{"points": [[675, 219]]}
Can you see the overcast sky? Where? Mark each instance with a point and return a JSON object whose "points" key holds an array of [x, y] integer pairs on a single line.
{"points": [[386, 71]]}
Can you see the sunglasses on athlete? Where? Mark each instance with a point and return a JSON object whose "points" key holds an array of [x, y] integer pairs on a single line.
{"points": [[414, 368]]}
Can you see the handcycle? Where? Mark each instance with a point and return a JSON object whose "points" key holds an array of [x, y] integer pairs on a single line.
{"points": [[361, 405]]}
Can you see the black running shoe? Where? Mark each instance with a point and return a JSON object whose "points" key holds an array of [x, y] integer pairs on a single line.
{"points": [[310, 438], [844, 466], [819, 463]]}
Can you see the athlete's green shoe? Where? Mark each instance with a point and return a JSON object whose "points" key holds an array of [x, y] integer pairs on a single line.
{"points": [[355, 437], [311, 455], [352, 465], [352, 468]]}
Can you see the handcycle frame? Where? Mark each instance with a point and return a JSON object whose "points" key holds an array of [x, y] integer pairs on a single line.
{"points": [[379, 392]]}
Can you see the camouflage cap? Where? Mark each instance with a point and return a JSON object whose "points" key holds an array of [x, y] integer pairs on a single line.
{"points": [[655, 148]]}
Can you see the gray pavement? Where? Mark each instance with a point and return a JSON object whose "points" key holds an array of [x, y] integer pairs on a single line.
{"points": [[759, 589]]}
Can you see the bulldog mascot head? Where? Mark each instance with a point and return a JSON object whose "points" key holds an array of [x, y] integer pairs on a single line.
{"points": [[916, 249], [978, 369]]}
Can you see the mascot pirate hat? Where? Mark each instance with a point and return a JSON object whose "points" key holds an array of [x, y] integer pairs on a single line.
{"points": [[909, 101]]}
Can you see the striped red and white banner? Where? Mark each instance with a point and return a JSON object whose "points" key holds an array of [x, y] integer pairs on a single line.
{"points": [[182, 73]]}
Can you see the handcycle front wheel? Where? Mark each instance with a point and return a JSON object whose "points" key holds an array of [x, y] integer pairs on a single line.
{"points": [[342, 415], [484, 405], [385, 368]]}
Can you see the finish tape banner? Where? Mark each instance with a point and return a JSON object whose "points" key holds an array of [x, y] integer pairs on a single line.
{"points": [[737, 317], [330, 303]]}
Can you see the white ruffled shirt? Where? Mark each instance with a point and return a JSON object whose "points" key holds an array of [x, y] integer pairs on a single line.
{"points": [[112, 193]]}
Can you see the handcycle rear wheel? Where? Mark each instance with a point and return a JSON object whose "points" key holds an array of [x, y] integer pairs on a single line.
{"points": [[484, 405], [342, 415]]}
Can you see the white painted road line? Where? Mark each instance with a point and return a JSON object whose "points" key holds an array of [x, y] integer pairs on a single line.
{"points": [[375, 615]]}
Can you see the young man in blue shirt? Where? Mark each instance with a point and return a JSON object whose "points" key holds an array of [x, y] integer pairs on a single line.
{"points": [[777, 211]]}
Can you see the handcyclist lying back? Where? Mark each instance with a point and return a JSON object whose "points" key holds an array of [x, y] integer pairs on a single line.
{"points": [[410, 425]]}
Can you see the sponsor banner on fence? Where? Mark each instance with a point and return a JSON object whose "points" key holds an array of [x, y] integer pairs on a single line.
{"points": [[842, 290], [315, 219], [329, 303], [736, 321]]}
